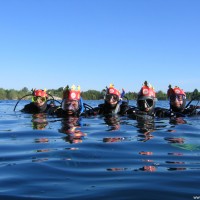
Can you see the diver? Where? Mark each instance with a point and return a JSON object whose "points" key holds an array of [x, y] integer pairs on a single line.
{"points": [[146, 101], [178, 107], [39, 102], [71, 105], [113, 103]]}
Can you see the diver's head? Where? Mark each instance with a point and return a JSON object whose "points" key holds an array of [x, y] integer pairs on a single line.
{"points": [[112, 96], [146, 99], [177, 98], [71, 100], [39, 97]]}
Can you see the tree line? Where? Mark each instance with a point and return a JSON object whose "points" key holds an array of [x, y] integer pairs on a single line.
{"points": [[13, 94]]}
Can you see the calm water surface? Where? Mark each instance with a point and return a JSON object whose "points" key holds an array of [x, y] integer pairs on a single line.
{"points": [[96, 158]]}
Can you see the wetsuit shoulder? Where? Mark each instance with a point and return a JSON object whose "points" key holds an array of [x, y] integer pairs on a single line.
{"points": [[100, 109], [54, 110], [124, 107], [131, 110], [162, 112], [192, 110], [29, 108]]}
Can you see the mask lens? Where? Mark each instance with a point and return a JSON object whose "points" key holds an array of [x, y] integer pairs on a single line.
{"points": [[172, 98], [179, 97], [141, 104], [36, 98], [145, 103], [149, 102], [112, 96]]}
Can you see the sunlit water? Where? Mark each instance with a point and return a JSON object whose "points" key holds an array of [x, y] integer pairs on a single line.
{"points": [[98, 159]]}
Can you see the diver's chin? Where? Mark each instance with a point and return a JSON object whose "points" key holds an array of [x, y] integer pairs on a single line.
{"points": [[112, 106], [39, 104], [70, 112]]}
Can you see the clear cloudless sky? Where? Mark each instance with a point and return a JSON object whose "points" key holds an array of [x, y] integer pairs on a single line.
{"points": [[92, 43]]}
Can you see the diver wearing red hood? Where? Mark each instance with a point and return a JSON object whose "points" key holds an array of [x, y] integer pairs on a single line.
{"points": [[113, 103], [178, 107], [71, 104], [38, 104]]}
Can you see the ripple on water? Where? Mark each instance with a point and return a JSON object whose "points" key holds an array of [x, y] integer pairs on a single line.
{"points": [[99, 161]]}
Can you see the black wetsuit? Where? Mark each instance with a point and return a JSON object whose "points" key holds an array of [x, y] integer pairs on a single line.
{"points": [[135, 113], [33, 109], [105, 109], [59, 112], [163, 112]]}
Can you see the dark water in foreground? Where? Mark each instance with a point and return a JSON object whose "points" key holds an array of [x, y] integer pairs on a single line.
{"points": [[43, 159]]}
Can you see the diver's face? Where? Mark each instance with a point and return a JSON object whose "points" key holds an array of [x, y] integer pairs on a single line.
{"points": [[177, 100], [71, 106], [112, 99], [39, 101], [145, 105]]}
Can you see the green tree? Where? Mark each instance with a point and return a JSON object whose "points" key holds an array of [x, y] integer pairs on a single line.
{"points": [[195, 92], [91, 95], [131, 95], [161, 95], [12, 94], [2, 93], [25, 90]]}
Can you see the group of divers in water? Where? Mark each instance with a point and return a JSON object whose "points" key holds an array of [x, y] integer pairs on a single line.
{"points": [[115, 103]]}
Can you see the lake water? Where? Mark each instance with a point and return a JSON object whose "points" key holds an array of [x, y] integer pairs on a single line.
{"points": [[44, 158]]}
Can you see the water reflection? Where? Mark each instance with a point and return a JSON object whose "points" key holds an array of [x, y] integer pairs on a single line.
{"points": [[113, 139], [146, 153], [175, 140], [41, 140], [175, 154], [166, 157], [117, 169], [146, 127], [71, 127], [176, 163], [177, 168], [148, 168], [39, 121], [113, 122], [177, 120]]}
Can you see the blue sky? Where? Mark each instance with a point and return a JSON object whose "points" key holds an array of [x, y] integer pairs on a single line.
{"points": [[92, 43]]}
